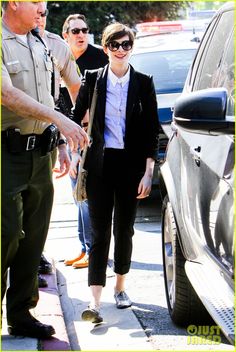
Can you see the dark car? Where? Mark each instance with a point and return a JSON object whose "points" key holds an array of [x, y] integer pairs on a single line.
{"points": [[197, 186]]}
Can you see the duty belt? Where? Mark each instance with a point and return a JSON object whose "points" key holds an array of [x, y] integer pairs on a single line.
{"points": [[25, 142], [17, 142]]}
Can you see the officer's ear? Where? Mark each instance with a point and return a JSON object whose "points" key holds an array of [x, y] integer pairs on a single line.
{"points": [[13, 5]]}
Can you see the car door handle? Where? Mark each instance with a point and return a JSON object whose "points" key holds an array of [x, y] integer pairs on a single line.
{"points": [[173, 127], [196, 152]]}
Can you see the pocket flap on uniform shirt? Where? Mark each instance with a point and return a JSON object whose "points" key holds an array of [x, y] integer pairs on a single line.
{"points": [[15, 67]]}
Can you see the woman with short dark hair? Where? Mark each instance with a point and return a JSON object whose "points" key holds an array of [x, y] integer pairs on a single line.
{"points": [[120, 161]]}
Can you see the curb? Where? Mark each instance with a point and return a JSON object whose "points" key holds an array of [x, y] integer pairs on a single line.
{"points": [[49, 311]]}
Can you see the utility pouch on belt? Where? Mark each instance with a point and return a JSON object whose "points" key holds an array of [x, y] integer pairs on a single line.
{"points": [[49, 139]]}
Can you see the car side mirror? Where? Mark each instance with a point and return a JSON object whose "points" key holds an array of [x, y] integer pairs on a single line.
{"points": [[204, 112]]}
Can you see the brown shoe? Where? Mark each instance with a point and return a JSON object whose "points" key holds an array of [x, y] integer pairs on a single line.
{"points": [[82, 263], [72, 261]]}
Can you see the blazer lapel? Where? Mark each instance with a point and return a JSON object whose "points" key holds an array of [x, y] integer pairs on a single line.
{"points": [[132, 94], [102, 88]]}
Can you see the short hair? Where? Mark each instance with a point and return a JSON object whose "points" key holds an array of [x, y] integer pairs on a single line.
{"points": [[77, 16], [4, 4], [116, 31]]}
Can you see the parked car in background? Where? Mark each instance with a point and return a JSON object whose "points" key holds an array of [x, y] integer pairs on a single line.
{"points": [[197, 186]]}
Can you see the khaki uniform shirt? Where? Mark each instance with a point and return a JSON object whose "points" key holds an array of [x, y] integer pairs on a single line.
{"points": [[29, 68], [64, 62]]}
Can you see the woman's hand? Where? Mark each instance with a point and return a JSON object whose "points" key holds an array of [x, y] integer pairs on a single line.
{"points": [[64, 161], [144, 187], [145, 184], [75, 160]]}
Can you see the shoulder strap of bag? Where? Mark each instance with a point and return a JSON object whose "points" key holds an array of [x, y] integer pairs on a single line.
{"points": [[91, 116], [93, 105]]}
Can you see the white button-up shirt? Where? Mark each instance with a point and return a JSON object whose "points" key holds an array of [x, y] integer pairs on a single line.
{"points": [[115, 114]]}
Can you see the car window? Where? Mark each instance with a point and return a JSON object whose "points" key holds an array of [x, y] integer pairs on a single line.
{"points": [[227, 75], [168, 68], [209, 71]]}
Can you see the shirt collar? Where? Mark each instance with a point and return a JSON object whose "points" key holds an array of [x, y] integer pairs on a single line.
{"points": [[114, 79], [8, 34]]}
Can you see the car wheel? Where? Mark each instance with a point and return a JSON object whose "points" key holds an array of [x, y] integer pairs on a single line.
{"points": [[183, 303]]}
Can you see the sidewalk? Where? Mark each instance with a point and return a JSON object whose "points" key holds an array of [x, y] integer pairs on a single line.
{"points": [[48, 311], [115, 335]]}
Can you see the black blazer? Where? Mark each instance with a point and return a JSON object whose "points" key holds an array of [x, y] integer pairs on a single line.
{"points": [[142, 125]]}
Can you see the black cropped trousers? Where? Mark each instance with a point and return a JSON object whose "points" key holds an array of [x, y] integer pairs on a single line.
{"points": [[112, 196]]}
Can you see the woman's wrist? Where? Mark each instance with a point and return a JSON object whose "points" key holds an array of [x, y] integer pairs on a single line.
{"points": [[150, 163], [62, 141]]}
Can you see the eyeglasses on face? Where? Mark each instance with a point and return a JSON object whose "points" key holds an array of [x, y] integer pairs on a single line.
{"points": [[78, 30], [45, 13], [126, 45]]}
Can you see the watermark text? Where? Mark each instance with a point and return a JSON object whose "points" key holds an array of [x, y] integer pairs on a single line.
{"points": [[203, 335]]}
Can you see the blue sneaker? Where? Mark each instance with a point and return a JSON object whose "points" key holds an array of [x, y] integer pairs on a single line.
{"points": [[122, 300]]}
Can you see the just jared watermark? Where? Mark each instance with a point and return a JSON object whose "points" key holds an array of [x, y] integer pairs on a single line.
{"points": [[203, 335]]}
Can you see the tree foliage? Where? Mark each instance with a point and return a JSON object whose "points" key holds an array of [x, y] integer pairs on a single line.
{"points": [[100, 13]]}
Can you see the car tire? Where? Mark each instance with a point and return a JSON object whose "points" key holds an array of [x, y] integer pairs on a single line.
{"points": [[183, 303]]}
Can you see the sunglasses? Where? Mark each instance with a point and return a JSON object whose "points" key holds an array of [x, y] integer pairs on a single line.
{"points": [[78, 30], [126, 45], [45, 13]]}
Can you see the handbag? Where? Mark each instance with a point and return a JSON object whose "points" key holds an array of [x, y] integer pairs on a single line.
{"points": [[79, 192]]}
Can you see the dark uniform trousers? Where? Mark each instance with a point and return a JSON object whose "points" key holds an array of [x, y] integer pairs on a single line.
{"points": [[27, 196], [112, 195]]}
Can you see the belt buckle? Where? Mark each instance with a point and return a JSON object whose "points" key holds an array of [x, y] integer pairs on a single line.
{"points": [[31, 143]]}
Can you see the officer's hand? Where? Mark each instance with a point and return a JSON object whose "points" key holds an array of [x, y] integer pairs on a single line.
{"points": [[75, 135]]}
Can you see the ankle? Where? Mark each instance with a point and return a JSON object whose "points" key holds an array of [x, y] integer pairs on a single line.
{"points": [[119, 289], [95, 306]]}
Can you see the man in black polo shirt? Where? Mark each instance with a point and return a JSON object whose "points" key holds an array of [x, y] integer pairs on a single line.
{"points": [[75, 31]]}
